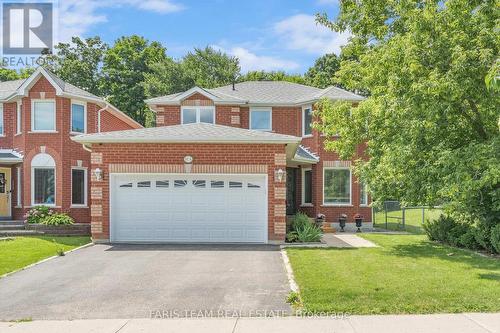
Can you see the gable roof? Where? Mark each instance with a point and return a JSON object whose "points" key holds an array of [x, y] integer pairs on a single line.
{"points": [[263, 93], [12, 90], [188, 133]]}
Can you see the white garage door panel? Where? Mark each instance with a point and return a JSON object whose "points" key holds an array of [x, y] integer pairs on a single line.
{"points": [[188, 208]]}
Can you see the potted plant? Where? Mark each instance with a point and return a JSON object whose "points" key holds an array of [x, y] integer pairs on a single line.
{"points": [[320, 219], [342, 221], [358, 218]]}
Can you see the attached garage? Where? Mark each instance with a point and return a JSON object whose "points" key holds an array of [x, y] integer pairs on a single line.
{"points": [[200, 208], [192, 183]]}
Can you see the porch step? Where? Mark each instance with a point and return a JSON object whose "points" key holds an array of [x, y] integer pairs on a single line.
{"points": [[12, 222], [4, 227], [327, 229], [10, 233]]}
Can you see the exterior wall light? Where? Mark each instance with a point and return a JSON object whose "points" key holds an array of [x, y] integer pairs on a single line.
{"points": [[188, 163], [280, 174], [98, 174]]}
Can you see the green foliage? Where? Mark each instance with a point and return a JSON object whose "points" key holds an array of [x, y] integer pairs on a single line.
{"points": [[38, 214], [300, 220], [272, 76], [7, 74], [293, 298], [438, 230], [309, 233], [322, 74], [79, 63], [495, 238], [58, 219], [430, 123], [292, 237], [125, 65], [210, 68]]}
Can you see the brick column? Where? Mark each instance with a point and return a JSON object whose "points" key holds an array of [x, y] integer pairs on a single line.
{"points": [[279, 198], [97, 226]]}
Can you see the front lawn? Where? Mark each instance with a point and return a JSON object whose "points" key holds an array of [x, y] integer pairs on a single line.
{"points": [[22, 251], [406, 274]]}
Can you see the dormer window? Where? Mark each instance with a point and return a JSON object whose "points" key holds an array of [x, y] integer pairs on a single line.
{"points": [[307, 119], [198, 114]]}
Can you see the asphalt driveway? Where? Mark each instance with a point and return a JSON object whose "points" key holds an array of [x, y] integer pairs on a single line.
{"points": [[138, 281]]}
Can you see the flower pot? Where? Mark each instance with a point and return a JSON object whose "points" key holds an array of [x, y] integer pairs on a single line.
{"points": [[342, 222], [359, 223]]}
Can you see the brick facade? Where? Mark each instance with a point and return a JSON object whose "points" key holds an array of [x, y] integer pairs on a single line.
{"points": [[58, 145], [241, 158], [285, 120]]}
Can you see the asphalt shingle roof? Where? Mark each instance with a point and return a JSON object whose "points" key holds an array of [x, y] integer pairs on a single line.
{"points": [[197, 132]]}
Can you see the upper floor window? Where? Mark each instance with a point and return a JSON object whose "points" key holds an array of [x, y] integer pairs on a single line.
{"points": [[1, 119], [198, 114], [307, 121], [337, 186], [43, 116], [19, 116], [78, 117], [261, 119]]}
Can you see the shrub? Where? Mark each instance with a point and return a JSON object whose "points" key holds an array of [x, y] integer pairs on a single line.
{"points": [[468, 240], [38, 214], [309, 233], [455, 234], [58, 219], [438, 230], [292, 237], [299, 221], [495, 238]]}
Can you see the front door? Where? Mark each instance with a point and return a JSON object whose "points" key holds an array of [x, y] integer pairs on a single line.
{"points": [[5, 192], [291, 191]]}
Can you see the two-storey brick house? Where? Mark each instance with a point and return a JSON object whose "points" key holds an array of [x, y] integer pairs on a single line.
{"points": [[223, 165], [39, 163]]}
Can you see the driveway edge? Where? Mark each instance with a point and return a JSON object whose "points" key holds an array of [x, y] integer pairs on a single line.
{"points": [[46, 259], [289, 271]]}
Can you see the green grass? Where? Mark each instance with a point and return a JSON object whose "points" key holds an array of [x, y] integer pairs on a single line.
{"points": [[406, 274], [19, 252], [413, 219]]}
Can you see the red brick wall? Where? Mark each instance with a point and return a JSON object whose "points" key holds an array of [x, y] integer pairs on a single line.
{"points": [[110, 123], [59, 145], [213, 154]]}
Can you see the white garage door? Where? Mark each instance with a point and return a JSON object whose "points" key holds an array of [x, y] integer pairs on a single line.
{"points": [[188, 208]]}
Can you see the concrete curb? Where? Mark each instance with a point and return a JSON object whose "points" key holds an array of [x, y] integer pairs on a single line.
{"points": [[44, 260], [289, 271]]}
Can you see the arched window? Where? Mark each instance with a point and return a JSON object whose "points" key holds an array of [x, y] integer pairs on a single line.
{"points": [[43, 180]]}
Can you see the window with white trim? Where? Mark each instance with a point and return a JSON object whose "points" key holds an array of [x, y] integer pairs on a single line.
{"points": [[78, 117], [43, 180], [261, 119], [43, 116], [306, 186], [78, 186], [1, 119], [363, 194], [337, 186], [198, 114], [307, 118], [19, 118]]}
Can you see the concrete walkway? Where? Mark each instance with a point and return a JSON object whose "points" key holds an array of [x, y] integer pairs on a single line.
{"points": [[346, 240], [456, 323]]}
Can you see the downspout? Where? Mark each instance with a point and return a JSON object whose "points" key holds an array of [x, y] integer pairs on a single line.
{"points": [[99, 117]]}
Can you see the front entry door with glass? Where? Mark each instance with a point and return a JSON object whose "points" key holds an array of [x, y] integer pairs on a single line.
{"points": [[5, 183]]}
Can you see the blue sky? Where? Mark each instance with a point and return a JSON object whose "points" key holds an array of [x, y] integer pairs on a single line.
{"points": [[264, 34]]}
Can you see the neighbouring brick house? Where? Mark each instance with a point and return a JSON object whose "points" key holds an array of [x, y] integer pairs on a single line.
{"points": [[223, 165], [39, 163]]}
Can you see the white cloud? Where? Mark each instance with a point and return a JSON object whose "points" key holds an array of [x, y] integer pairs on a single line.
{"points": [[77, 16], [301, 32], [250, 61]]}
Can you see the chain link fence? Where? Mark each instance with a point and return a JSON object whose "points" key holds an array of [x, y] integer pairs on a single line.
{"points": [[392, 216]]}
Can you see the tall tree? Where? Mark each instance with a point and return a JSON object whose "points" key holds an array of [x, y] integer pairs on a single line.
{"points": [[430, 123], [9, 74], [322, 74], [166, 77], [79, 62], [210, 68], [272, 76], [125, 67]]}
